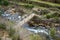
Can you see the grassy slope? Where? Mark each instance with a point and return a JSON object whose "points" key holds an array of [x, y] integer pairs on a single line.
{"points": [[24, 4], [38, 1], [52, 4]]}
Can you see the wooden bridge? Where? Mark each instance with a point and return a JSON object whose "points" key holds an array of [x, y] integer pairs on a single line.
{"points": [[24, 33]]}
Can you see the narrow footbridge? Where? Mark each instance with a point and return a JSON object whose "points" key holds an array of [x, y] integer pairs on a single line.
{"points": [[24, 33]]}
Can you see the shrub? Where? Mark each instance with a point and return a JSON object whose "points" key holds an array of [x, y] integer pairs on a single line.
{"points": [[53, 32], [15, 37], [13, 34], [4, 2], [11, 31], [43, 12], [2, 26], [57, 14], [29, 6], [35, 37], [48, 16]]}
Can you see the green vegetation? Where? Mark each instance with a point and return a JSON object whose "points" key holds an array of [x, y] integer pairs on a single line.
{"points": [[49, 16], [44, 12], [13, 34], [29, 6], [15, 37], [42, 3], [25, 5], [32, 4], [35, 37], [53, 15], [53, 32], [4, 2], [46, 3], [2, 26], [11, 31]]}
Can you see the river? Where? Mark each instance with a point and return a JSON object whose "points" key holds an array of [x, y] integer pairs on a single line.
{"points": [[41, 30]]}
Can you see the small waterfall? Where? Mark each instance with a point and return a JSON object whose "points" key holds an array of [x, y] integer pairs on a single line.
{"points": [[40, 30]]}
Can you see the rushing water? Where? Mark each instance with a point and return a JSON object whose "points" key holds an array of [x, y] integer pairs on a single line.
{"points": [[40, 30], [36, 29]]}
